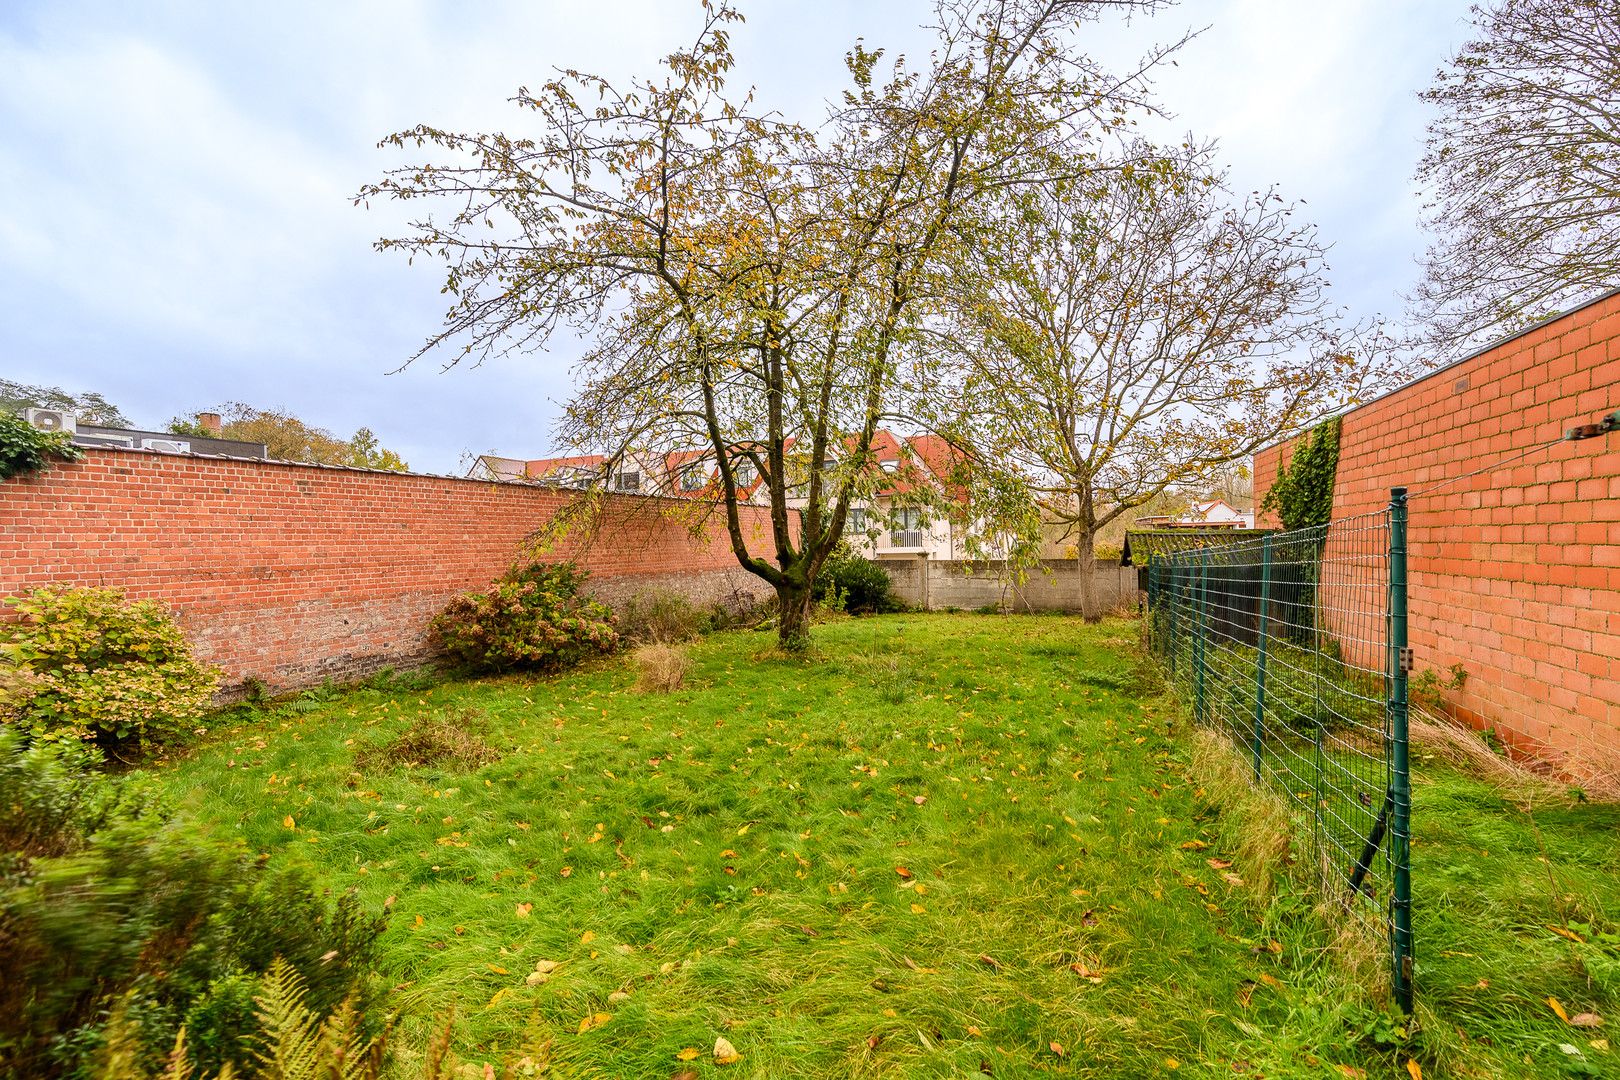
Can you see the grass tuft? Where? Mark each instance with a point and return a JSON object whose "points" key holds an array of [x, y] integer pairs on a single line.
{"points": [[661, 668], [453, 737]]}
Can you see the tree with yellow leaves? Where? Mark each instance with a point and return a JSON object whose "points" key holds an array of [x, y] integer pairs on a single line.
{"points": [[754, 287]]}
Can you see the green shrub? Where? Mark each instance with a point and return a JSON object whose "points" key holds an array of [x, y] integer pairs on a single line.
{"points": [[89, 664], [110, 903], [851, 583], [532, 617], [25, 449], [659, 617]]}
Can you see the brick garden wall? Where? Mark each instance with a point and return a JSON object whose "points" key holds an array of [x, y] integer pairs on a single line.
{"points": [[294, 574], [1514, 574]]}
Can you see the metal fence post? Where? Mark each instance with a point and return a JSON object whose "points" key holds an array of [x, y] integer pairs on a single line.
{"points": [[1174, 600], [1260, 662], [1200, 646], [1400, 785]]}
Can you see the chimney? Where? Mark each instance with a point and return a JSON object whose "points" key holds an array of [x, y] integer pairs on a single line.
{"points": [[210, 422]]}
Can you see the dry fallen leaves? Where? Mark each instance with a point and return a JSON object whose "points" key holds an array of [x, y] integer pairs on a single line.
{"points": [[688, 1053], [1558, 1009], [1414, 1069], [724, 1052], [1056, 1048], [595, 1020], [1586, 1020], [523, 910]]}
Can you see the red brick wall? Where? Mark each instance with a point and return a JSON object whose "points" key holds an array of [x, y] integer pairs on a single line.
{"points": [[1515, 574], [294, 574]]}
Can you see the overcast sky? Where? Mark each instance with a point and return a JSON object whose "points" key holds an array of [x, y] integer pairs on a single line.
{"points": [[176, 176]]}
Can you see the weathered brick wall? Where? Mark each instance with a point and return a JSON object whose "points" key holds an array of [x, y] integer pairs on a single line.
{"points": [[1515, 573], [294, 574]]}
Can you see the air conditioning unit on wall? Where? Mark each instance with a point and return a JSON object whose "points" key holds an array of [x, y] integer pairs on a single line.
{"points": [[51, 419], [166, 446]]}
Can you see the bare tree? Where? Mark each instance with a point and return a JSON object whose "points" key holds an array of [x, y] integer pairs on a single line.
{"points": [[1522, 171], [1133, 330], [752, 285]]}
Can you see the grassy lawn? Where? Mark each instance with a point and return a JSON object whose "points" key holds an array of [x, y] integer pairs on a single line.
{"points": [[950, 846]]}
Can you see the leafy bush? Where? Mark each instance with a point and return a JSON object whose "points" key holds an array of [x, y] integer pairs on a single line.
{"points": [[660, 616], [89, 664], [25, 449], [110, 903], [855, 584], [531, 617]]}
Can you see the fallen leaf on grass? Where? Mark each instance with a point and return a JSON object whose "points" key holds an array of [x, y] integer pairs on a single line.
{"points": [[1056, 1048], [724, 1052], [1414, 1069], [920, 799], [1089, 918], [1558, 1009], [989, 961], [902, 871], [1586, 1020], [1086, 971], [595, 1020], [587, 937], [688, 1053], [497, 969], [1350, 1072], [917, 909], [685, 1074], [1271, 980], [1219, 864], [1194, 845], [523, 910], [288, 822], [1563, 932]]}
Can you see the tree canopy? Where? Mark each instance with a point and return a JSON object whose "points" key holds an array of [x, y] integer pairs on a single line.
{"points": [[287, 438], [753, 286], [1521, 171], [89, 407], [1138, 329]]}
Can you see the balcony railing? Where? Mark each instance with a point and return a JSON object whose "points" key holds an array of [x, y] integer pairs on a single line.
{"points": [[906, 538]]}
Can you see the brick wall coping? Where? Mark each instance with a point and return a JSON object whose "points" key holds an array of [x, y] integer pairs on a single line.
{"points": [[1475, 355]]}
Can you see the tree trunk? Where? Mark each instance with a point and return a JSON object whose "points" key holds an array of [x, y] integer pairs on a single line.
{"points": [[1085, 558], [793, 623]]}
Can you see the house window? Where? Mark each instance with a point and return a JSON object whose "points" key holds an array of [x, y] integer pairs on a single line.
{"points": [[744, 473], [855, 522], [906, 531], [627, 481], [694, 477]]}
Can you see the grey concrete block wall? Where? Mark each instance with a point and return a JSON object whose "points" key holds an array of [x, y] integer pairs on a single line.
{"points": [[938, 584]]}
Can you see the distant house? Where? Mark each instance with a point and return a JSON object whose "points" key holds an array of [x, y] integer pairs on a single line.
{"points": [[886, 524], [1210, 514], [163, 442]]}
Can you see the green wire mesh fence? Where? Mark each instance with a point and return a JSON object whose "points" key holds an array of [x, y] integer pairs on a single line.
{"points": [[1294, 645]]}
